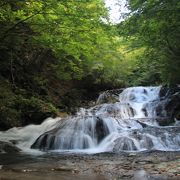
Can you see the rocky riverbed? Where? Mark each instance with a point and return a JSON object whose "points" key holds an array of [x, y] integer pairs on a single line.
{"points": [[144, 165], [141, 131]]}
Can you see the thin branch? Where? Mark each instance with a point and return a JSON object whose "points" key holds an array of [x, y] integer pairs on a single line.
{"points": [[20, 22], [11, 70]]}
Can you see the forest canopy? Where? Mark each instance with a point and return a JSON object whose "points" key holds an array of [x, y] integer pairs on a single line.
{"points": [[155, 25], [54, 54], [73, 31]]}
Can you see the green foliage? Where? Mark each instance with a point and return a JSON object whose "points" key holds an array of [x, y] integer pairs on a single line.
{"points": [[49, 46], [155, 26], [8, 115], [18, 109], [73, 30], [34, 110], [54, 51]]}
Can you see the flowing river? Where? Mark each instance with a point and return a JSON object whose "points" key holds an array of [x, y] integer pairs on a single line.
{"points": [[131, 124]]}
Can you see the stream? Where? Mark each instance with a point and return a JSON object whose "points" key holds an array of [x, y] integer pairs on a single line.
{"points": [[124, 139]]}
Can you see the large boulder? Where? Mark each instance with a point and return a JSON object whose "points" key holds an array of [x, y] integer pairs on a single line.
{"points": [[173, 106], [168, 108], [166, 91], [124, 144], [101, 129], [165, 121], [109, 96], [8, 147]]}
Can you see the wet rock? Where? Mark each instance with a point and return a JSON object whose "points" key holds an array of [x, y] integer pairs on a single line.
{"points": [[147, 142], [124, 144], [145, 111], [145, 91], [160, 111], [163, 92], [173, 106], [165, 121], [142, 124], [44, 142], [168, 91], [101, 129], [109, 96], [64, 168], [132, 97], [147, 165], [168, 109], [132, 111], [7, 147]]}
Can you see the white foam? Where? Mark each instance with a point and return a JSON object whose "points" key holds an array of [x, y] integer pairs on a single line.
{"points": [[104, 127]]}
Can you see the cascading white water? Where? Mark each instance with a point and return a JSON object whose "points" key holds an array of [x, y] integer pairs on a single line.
{"points": [[127, 125], [24, 137]]}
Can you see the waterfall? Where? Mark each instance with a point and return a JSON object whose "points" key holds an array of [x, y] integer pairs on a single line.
{"points": [[130, 124]]}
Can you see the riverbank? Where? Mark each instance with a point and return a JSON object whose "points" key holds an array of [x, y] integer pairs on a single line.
{"points": [[143, 165]]}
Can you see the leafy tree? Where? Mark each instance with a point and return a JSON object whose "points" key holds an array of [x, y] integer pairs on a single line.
{"points": [[154, 24], [73, 30], [48, 48]]}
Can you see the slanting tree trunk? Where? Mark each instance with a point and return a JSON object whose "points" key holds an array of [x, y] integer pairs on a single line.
{"points": [[11, 70]]}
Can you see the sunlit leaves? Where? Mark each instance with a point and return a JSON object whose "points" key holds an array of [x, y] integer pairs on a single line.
{"points": [[81, 42], [155, 25]]}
